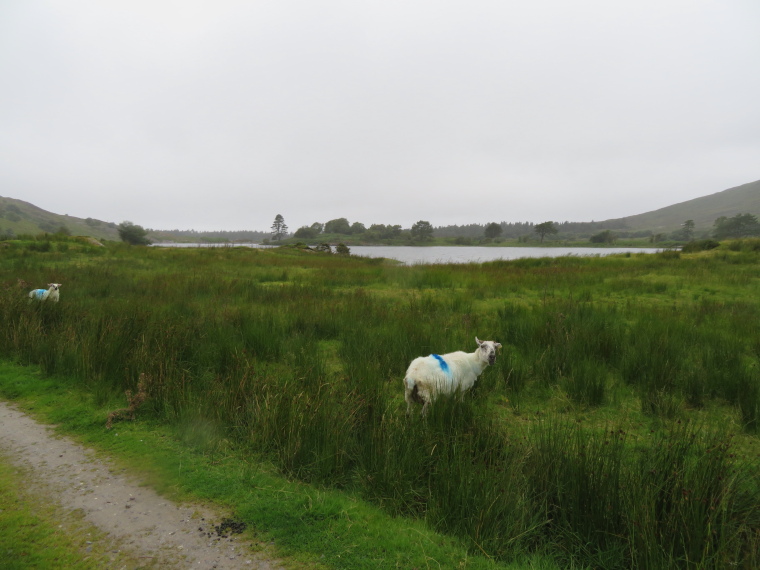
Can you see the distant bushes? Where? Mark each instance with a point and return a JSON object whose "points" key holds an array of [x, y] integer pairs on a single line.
{"points": [[700, 245], [133, 234], [605, 236], [738, 226]]}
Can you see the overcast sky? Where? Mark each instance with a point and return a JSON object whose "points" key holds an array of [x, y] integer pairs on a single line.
{"points": [[220, 115]]}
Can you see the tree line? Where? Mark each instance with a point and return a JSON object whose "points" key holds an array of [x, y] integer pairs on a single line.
{"points": [[424, 230], [724, 227], [740, 225], [420, 231]]}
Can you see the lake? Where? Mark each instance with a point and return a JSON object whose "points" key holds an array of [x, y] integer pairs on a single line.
{"points": [[412, 255], [473, 254]]}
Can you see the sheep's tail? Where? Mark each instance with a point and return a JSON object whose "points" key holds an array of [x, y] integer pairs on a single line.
{"points": [[410, 384]]}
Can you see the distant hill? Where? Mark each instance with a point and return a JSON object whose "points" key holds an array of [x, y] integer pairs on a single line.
{"points": [[704, 211], [19, 217]]}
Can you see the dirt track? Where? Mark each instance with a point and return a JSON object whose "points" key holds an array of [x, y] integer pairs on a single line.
{"points": [[139, 520]]}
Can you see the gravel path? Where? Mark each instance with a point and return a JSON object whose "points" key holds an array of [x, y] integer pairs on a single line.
{"points": [[138, 519]]}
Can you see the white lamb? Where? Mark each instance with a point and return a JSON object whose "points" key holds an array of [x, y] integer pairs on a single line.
{"points": [[44, 294], [429, 376]]}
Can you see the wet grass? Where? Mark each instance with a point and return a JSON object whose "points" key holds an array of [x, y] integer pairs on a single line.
{"points": [[618, 429]]}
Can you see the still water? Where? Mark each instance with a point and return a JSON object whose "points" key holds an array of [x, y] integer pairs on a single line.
{"points": [[473, 254], [463, 254]]}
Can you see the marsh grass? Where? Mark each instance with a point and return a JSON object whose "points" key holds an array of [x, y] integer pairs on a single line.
{"points": [[299, 357]]}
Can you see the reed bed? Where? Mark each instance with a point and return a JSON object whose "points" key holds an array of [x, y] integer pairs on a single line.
{"points": [[605, 435]]}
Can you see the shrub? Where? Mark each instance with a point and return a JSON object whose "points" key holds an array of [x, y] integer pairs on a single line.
{"points": [[133, 234], [700, 245], [306, 232], [603, 237]]}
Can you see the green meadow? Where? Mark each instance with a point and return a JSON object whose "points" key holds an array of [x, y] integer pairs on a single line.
{"points": [[618, 428]]}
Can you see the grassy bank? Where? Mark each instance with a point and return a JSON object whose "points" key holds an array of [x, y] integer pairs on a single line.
{"points": [[617, 429]]}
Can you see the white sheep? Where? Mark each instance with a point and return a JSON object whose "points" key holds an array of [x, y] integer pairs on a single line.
{"points": [[429, 376], [44, 294]]}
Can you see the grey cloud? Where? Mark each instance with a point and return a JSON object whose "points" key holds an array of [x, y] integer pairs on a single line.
{"points": [[219, 117]]}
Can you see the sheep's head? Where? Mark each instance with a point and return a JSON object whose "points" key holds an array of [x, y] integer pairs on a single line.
{"points": [[487, 350], [54, 286]]}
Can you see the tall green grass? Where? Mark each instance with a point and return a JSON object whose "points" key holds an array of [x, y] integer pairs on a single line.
{"points": [[300, 357]]}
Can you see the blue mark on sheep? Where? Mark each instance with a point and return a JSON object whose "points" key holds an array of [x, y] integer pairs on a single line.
{"points": [[39, 293], [442, 362]]}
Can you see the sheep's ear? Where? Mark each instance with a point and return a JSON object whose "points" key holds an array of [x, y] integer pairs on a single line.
{"points": [[478, 341]]}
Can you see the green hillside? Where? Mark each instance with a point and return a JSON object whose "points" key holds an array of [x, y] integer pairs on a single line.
{"points": [[19, 217], [704, 211]]}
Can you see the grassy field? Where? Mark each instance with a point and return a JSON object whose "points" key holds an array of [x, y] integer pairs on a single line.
{"points": [[618, 428]]}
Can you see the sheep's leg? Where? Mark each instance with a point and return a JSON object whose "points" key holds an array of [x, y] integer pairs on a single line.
{"points": [[409, 397], [423, 397], [412, 395]]}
